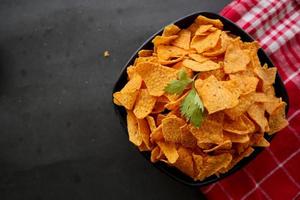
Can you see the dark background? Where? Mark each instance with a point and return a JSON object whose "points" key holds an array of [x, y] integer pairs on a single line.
{"points": [[59, 135]]}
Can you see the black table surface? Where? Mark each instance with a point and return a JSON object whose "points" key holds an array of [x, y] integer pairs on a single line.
{"points": [[59, 135]]}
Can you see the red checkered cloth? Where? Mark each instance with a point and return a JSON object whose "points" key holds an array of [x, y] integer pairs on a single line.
{"points": [[275, 173]]}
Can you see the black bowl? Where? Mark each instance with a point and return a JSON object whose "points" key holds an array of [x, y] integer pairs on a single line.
{"points": [[184, 23]]}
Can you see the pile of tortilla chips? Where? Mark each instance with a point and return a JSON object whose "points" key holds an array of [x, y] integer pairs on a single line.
{"points": [[236, 91]]}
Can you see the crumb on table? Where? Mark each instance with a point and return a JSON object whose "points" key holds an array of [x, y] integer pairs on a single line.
{"points": [[106, 53]]}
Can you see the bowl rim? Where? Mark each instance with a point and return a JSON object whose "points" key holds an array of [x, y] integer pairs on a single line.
{"points": [[166, 168]]}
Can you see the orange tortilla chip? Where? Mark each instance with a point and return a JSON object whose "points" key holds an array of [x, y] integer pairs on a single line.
{"points": [[241, 125], [208, 132], [244, 103], [226, 144], [133, 84], [204, 43], [165, 52], [163, 40], [169, 150], [277, 119], [236, 138], [171, 61], [236, 159], [221, 46], [171, 129], [155, 153], [151, 123], [158, 107], [144, 132], [210, 165], [126, 99], [267, 75], [245, 84], [183, 40], [187, 138], [156, 77], [116, 102], [145, 53], [201, 20], [185, 161], [257, 113], [200, 67], [153, 59], [173, 105], [170, 30], [157, 134], [215, 96], [132, 127], [203, 29], [159, 119], [197, 57], [144, 104], [235, 59]]}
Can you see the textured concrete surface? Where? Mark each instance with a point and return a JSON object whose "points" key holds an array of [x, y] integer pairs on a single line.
{"points": [[59, 136]]}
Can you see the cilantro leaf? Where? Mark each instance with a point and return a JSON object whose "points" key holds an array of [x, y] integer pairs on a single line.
{"points": [[192, 108], [178, 86]]}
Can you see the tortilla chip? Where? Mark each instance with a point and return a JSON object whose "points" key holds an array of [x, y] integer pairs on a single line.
{"points": [[241, 125], [144, 104], [257, 113], [242, 107], [151, 123], [169, 150], [218, 73], [200, 67], [133, 84], [204, 43], [173, 105], [171, 61], [126, 99], [236, 159], [185, 161], [208, 132], [145, 53], [156, 77], [165, 52], [203, 29], [187, 139], [236, 138], [132, 127], [171, 129], [221, 46], [156, 134], [226, 144], [183, 40], [116, 102], [163, 40], [209, 165], [258, 140], [201, 20], [179, 66], [197, 57], [215, 96], [170, 30], [144, 132], [267, 75], [235, 59], [277, 119], [245, 84], [159, 119], [138, 60], [155, 153]]}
